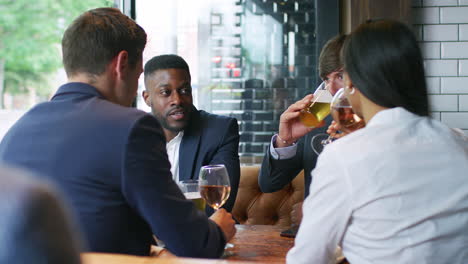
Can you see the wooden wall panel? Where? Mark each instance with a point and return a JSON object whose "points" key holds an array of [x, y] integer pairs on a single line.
{"points": [[355, 12]]}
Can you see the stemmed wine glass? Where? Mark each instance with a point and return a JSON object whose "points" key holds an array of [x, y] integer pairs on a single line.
{"points": [[343, 114], [214, 186]]}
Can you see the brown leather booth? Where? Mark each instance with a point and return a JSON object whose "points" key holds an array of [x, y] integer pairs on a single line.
{"points": [[252, 207]]}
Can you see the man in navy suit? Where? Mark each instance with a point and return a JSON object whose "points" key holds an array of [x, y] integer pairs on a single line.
{"points": [[107, 158], [194, 137]]}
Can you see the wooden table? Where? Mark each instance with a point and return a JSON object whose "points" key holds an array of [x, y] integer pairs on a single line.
{"points": [[259, 243], [253, 244]]}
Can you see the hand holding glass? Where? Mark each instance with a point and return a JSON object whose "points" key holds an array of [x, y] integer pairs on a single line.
{"points": [[344, 116], [316, 112]]}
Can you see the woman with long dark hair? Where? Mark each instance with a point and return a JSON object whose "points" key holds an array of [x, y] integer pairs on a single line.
{"points": [[395, 191]]}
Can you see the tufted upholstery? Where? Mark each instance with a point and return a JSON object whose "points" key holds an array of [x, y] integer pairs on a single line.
{"points": [[253, 207]]}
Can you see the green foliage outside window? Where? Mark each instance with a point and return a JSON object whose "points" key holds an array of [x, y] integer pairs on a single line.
{"points": [[30, 36]]}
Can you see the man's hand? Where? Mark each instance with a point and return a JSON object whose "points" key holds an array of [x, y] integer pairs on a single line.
{"points": [[290, 127], [156, 251], [225, 221], [296, 214]]}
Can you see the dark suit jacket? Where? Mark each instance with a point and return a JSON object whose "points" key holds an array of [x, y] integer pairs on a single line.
{"points": [[275, 174], [211, 139], [111, 163]]}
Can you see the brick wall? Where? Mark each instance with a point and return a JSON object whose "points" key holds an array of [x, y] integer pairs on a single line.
{"points": [[442, 29]]}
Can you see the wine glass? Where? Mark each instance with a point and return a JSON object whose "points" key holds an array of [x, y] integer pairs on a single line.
{"points": [[214, 185], [343, 114]]}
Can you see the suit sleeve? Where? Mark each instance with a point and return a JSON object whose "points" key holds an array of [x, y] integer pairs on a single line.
{"points": [[228, 154], [149, 189], [277, 173]]}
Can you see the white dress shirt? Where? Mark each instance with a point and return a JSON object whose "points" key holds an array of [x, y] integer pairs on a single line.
{"points": [[395, 191], [172, 148]]}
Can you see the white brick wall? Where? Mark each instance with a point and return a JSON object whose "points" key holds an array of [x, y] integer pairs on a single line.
{"points": [[454, 85], [454, 15], [441, 67], [431, 50], [463, 32], [459, 119], [443, 102], [440, 2], [433, 85], [441, 27], [454, 50], [463, 102], [440, 32], [463, 67]]}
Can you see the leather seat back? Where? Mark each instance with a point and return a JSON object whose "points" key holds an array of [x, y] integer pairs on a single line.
{"points": [[253, 207]]}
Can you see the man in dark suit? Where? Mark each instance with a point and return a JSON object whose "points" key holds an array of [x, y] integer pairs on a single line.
{"points": [[290, 150], [107, 158], [194, 137]]}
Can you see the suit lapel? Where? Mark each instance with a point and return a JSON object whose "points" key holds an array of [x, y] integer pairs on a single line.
{"points": [[188, 150]]}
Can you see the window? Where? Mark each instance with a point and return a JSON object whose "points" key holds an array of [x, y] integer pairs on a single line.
{"points": [[249, 59], [30, 56]]}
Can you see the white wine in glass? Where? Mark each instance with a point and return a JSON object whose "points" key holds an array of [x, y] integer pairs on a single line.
{"points": [[347, 119], [214, 185]]}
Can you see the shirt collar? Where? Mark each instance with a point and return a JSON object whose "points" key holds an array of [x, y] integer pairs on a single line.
{"points": [[77, 88], [177, 138]]}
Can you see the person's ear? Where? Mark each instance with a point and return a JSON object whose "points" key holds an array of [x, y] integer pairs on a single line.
{"points": [[121, 65], [348, 84], [145, 95], [350, 89]]}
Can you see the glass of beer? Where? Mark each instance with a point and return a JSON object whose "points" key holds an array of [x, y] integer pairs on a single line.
{"points": [[314, 114], [344, 116], [214, 185], [191, 190]]}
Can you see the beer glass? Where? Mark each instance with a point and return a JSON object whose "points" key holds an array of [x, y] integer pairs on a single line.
{"points": [[343, 114], [313, 115], [214, 185], [191, 190]]}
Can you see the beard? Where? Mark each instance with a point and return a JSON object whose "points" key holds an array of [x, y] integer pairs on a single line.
{"points": [[177, 127]]}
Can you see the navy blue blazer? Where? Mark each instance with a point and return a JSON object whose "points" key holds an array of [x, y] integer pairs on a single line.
{"points": [[275, 174], [111, 163], [211, 139]]}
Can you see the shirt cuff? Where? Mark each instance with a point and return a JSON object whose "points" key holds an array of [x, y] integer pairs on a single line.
{"points": [[282, 153]]}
